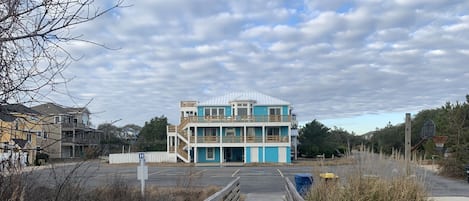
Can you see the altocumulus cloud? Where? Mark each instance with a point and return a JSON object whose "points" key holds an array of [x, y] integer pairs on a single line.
{"points": [[330, 59]]}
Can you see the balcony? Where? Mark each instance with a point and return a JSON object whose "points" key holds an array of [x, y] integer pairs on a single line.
{"points": [[238, 139], [207, 139], [276, 139], [74, 125], [79, 140], [254, 139], [242, 119], [171, 129], [233, 139]]}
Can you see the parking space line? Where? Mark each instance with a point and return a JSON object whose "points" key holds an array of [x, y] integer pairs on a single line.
{"points": [[236, 172], [157, 172], [281, 174], [200, 172]]}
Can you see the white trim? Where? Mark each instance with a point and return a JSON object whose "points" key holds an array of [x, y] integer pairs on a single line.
{"points": [[213, 153], [282, 155], [254, 154]]}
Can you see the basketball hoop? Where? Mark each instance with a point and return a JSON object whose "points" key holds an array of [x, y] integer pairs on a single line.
{"points": [[439, 140]]}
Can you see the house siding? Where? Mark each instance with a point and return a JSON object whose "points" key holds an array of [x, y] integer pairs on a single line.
{"points": [[202, 155], [248, 154], [260, 110], [271, 154], [260, 157]]}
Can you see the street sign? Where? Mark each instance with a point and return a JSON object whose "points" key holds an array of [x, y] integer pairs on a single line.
{"points": [[141, 156], [142, 172]]}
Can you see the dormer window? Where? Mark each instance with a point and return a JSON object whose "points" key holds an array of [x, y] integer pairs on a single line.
{"points": [[242, 108]]}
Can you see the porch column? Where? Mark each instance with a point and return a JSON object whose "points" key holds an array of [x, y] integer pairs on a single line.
{"points": [[168, 142], [195, 135], [244, 145], [263, 143], [73, 143], [195, 155], [222, 156]]}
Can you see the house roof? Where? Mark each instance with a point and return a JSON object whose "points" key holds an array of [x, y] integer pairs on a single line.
{"points": [[7, 117], [51, 108], [20, 142], [7, 111], [259, 98]]}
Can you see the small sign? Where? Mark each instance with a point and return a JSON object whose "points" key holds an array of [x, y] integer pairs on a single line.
{"points": [[142, 172], [141, 156]]}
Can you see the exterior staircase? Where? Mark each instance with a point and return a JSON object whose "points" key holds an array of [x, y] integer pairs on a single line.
{"points": [[182, 149]]}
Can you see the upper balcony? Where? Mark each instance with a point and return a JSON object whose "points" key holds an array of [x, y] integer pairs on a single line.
{"points": [[238, 119], [74, 125]]}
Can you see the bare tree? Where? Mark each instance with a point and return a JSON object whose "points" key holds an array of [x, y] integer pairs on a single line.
{"points": [[32, 38]]}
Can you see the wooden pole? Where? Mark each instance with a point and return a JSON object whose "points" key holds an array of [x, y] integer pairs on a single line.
{"points": [[408, 129]]}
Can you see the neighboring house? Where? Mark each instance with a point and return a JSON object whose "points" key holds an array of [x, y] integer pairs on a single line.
{"points": [[69, 131], [20, 127], [238, 127]]}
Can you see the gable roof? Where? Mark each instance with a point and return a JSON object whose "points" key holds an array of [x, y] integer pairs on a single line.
{"points": [[51, 108], [259, 98], [7, 111]]}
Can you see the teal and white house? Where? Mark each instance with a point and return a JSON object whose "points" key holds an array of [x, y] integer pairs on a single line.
{"points": [[247, 127]]}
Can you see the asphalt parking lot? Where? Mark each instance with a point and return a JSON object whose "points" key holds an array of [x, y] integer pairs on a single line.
{"points": [[256, 179], [253, 179]]}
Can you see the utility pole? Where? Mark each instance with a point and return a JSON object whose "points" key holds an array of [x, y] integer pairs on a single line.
{"points": [[408, 129]]}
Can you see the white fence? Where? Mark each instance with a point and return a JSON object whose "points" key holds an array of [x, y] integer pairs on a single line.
{"points": [[150, 157]]}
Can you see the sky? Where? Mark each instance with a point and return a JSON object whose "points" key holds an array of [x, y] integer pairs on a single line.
{"points": [[356, 65]]}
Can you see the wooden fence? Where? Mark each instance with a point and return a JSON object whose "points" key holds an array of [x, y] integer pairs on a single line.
{"points": [[229, 193], [291, 193]]}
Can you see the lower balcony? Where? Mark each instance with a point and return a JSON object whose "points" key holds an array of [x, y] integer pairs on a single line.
{"points": [[238, 139]]}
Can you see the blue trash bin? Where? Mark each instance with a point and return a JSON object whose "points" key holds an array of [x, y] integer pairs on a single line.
{"points": [[303, 183]]}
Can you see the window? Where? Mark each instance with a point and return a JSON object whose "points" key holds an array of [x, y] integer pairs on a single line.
{"points": [[230, 132], [210, 131], [210, 153], [45, 135], [29, 137], [57, 119], [274, 114], [274, 111], [39, 134], [214, 111], [251, 131], [273, 131], [242, 112]]}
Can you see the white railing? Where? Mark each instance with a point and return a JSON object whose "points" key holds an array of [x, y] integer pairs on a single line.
{"points": [[150, 157], [229, 193]]}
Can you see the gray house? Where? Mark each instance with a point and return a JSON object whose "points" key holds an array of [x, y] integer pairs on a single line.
{"points": [[69, 131]]}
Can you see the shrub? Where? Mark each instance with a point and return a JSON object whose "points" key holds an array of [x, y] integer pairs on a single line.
{"points": [[371, 178]]}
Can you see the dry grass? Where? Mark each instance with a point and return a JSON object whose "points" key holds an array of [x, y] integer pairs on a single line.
{"points": [[72, 186], [372, 178]]}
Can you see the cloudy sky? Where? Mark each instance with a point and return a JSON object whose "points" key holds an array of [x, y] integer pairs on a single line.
{"points": [[353, 64]]}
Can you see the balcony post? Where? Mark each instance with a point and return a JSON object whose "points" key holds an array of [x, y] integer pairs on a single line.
{"points": [[263, 143], [195, 135], [245, 133], [195, 154], [73, 143]]}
